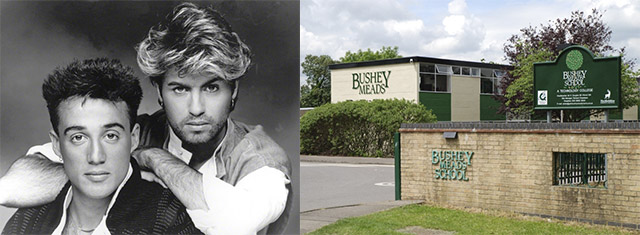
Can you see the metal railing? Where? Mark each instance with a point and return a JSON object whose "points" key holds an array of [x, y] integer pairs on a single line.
{"points": [[580, 169]]}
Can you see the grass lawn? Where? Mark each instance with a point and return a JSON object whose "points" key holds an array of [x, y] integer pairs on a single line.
{"points": [[462, 222]]}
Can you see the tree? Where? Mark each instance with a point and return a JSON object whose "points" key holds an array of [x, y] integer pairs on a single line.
{"points": [[317, 91], [589, 31], [545, 44], [518, 96], [368, 55]]}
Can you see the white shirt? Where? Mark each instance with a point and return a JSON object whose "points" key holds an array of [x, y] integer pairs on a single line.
{"points": [[102, 226], [257, 200]]}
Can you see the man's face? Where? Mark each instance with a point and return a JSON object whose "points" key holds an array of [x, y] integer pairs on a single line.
{"points": [[197, 105], [95, 141]]}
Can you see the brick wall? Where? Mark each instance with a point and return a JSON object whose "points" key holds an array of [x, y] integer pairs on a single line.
{"points": [[512, 170]]}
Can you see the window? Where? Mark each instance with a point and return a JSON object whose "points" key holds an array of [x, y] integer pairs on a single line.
{"points": [[435, 78], [486, 72], [500, 74], [427, 68], [486, 85], [466, 71], [444, 69], [475, 72], [580, 169], [456, 70], [487, 81], [442, 82], [490, 80], [427, 82]]}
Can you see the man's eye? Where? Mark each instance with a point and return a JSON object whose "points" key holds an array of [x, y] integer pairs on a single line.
{"points": [[211, 88], [77, 139], [179, 90], [112, 136]]}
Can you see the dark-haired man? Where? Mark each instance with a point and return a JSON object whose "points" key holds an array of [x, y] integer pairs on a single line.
{"points": [[232, 177], [92, 107]]}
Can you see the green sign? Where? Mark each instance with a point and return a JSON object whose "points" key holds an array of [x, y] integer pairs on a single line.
{"points": [[368, 83], [577, 80], [452, 164]]}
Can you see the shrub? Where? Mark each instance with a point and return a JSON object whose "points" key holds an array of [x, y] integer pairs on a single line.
{"points": [[358, 128]]}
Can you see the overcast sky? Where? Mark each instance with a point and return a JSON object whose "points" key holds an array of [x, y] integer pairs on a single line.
{"points": [[453, 29]]}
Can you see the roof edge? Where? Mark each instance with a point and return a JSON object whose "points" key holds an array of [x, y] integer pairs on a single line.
{"points": [[420, 59]]}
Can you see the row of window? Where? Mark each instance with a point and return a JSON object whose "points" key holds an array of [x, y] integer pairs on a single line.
{"points": [[437, 78]]}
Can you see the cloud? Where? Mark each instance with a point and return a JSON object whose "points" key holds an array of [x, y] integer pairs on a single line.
{"points": [[334, 27], [456, 29], [458, 7], [461, 34], [403, 29], [622, 17], [454, 24], [346, 25]]}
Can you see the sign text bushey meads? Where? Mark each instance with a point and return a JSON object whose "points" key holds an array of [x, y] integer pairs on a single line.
{"points": [[577, 80], [453, 164], [368, 83]]}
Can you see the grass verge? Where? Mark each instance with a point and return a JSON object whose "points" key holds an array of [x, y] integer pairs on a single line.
{"points": [[461, 222]]}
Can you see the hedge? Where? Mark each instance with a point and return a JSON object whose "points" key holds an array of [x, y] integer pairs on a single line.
{"points": [[358, 128]]}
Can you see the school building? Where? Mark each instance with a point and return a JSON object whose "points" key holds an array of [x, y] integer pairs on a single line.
{"points": [[454, 90]]}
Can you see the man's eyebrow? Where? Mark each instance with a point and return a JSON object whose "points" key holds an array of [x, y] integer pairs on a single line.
{"points": [[115, 124], [173, 83], [177, 83], [213, 80], [79, 128]]}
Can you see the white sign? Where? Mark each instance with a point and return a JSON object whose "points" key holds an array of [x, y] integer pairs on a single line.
{"points": [[542, 97]]}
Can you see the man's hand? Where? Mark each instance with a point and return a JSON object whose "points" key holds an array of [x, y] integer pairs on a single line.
{"points": [[172, 173], [142, 157], [151, 177]]}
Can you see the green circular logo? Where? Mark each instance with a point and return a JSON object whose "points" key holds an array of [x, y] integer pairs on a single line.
{"points": [[574, 60]]}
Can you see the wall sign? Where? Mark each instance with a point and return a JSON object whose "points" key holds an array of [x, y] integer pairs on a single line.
{"points": [[577, 80], [452, 164], [371, 82]]}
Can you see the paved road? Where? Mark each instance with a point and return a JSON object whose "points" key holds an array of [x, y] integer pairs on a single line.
{"points": [[324, 185]]}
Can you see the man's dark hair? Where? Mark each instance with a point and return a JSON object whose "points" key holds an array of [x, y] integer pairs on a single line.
{"points": [[98, 78]]}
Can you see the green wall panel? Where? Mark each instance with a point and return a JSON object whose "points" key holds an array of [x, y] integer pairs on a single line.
{"points": [[488, 109], [439, 103], [615, 114]]}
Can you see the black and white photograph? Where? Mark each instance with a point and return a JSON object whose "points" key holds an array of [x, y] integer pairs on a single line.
{"points": [[149, 117]]}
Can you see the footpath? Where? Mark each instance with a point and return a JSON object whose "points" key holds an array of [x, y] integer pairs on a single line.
{"points": [[314, 219]]}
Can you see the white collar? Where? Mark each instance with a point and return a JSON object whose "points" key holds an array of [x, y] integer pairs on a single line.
{"points": [[175, 147], [102, 226]]}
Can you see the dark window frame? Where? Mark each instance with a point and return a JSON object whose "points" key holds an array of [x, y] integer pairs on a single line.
{"points": [[434, 70]]}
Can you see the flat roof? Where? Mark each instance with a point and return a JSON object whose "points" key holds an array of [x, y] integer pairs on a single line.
{"points": [[421, 59]]}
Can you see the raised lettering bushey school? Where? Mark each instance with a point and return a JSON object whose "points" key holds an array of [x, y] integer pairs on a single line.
{"points": [[453, 164]]}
